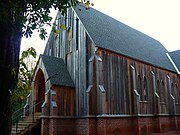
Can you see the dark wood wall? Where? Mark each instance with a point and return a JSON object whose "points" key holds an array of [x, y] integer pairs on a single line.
{"points": [[149, 90], [65, 99], [115, 81]]}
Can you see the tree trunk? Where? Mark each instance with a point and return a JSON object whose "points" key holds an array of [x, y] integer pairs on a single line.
{"points": [[10, 39]]}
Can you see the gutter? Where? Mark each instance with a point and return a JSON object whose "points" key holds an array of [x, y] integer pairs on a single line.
{"points": [[172, 62]]}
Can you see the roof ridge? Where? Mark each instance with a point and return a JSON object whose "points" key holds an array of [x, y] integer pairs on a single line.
{"points": [[111, 34]]}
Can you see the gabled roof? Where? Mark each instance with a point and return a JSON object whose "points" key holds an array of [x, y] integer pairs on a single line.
{"points": [[175, 56], [57, 71], [115, 36]]}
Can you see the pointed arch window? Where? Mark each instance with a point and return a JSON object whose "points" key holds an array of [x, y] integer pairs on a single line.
{"points": [[158, 88], [162, 92], [139, 84], [142, 88], [178, 93], [70, 39], [77, 33], [175, 92], [144, 91]]}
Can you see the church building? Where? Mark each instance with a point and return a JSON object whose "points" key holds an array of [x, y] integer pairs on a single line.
{"points": [[98, 76]]}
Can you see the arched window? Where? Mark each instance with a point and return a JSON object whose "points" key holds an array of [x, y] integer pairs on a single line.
{"points": [[162, 92], [175, 92], [142, 88], [139, 84], [158, 88], [144, 91], [70, 33]]}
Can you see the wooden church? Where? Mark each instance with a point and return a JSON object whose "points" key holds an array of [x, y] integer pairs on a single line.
{"points": [[101, 77]]}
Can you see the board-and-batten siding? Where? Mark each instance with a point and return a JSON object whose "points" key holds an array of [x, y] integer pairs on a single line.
{"points": [[118, 82], [75, 53], [115, 82], [150, 92], [65, 97], [76, 60]]}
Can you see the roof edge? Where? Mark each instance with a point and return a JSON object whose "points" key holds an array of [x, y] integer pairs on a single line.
{"points": [[172, 62], [51, 77], [163, 68], [84, 27]]}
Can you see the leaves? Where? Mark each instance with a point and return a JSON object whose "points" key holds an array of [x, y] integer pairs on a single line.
{"points": [[32, 14], [26, 69], [56, 33], [62, 26], [35, 14], [87, 4], [43, 34], [27, 53]]}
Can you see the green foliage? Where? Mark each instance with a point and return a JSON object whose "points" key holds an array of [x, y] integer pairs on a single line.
{"points": [[31, 14], [37, 15], [26, 69]]}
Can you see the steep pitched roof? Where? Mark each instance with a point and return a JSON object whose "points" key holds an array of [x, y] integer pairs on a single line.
{"points": [[115, 36], [175, 55], [57, 71]]}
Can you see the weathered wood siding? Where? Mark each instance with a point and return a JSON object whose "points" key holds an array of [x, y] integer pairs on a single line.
{"points": [[117, 79], [76, 62], [75, 47], [131, 86], [65, 99]]}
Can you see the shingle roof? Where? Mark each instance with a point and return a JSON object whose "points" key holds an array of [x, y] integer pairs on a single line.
{"points": [[175, 55], [115, 36], [57, 71]]}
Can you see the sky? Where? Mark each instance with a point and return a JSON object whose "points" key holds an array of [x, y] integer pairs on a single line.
{"points": [[160, 19]]}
